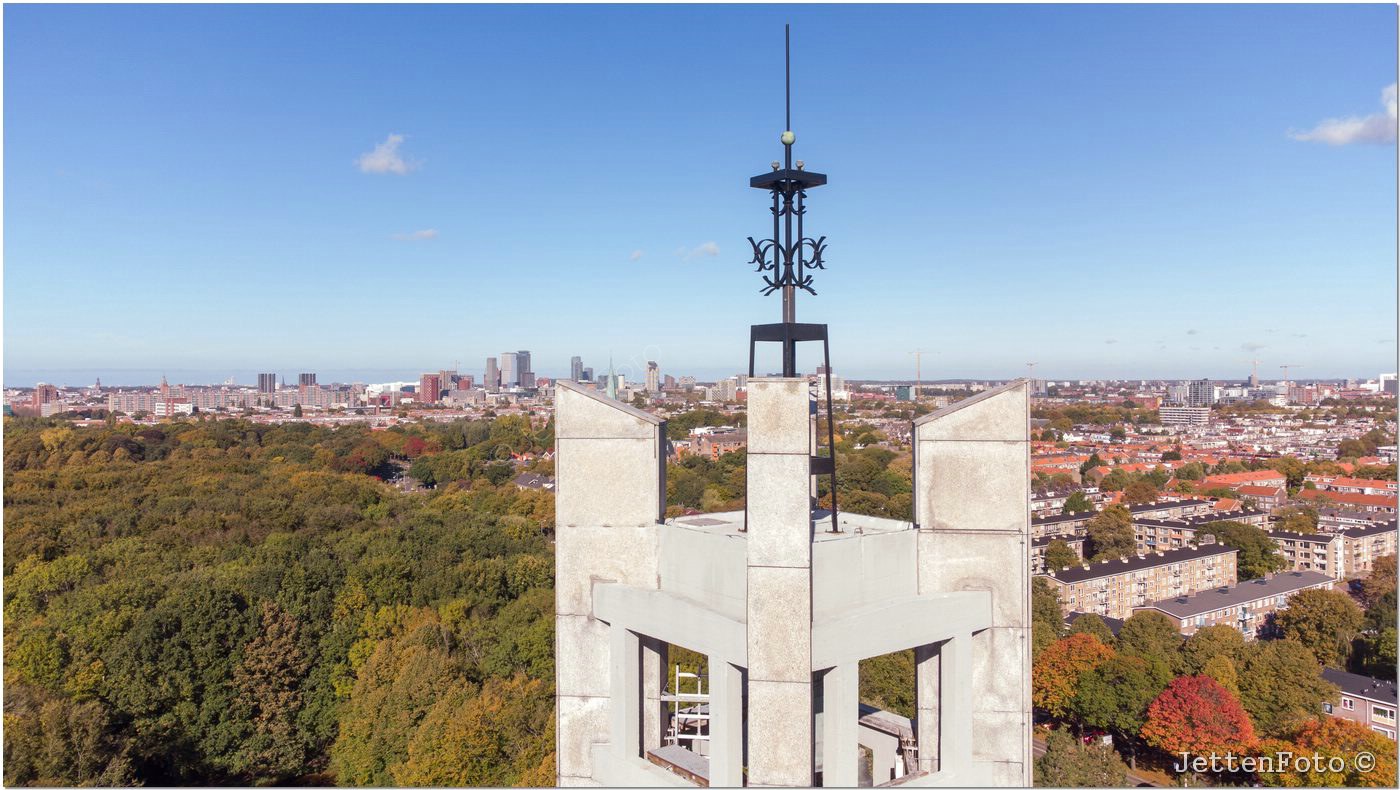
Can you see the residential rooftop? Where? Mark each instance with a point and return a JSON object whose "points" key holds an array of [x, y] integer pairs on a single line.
{"points": [[1106, 568], [1242, 593], [1370, 688]]}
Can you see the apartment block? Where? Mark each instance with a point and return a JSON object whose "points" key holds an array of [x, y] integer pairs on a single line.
{"points": [[1364, 700], [1173, 533], [1244, 607], [1320, 551], [1362, 546], [1113, 588]]}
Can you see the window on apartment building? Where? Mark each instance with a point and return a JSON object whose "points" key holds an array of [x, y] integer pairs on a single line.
{"points": [[1348, 704], [1384, 714], [1384, 731], [1327, 707]]}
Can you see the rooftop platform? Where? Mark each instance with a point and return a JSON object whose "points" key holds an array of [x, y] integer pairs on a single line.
{"points": [[731, 522]]}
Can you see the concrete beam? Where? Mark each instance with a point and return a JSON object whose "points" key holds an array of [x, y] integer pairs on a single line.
{"points": [[672, 619], [900, 625]]}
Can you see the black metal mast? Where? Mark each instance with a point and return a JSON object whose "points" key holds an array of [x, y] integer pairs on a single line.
{"points": [[786, 260], [787, 257]]}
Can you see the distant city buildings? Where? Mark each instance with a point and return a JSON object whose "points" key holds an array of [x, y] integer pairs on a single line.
{"points": [[492, 380], [576, 369], [429, 388], [653, 380], [267, 383]]}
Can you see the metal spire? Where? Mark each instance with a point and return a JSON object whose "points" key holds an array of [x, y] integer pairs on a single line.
{"points": [[787, 258]]}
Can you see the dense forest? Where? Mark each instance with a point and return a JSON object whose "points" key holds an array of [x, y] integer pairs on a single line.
{"points": [[223, 602], [220, 602]]}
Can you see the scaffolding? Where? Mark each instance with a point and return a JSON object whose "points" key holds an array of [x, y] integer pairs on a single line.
{"points": [[689, 726]]}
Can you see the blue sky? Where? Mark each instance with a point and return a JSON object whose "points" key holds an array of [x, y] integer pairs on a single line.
{"points": [[1109, 191]]}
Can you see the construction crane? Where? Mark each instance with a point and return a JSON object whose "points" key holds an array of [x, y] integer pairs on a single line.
{"points": [[918, 371]]}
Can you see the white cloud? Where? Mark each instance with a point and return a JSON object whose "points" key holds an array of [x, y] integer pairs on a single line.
{"points": [[1109, 342], [1252, 347], [385, 158], [707, 250], [636, 255], [417, 235], [1377, 128]]}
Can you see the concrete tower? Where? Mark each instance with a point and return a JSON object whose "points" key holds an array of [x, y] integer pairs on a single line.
{"points": [[784, 609]]}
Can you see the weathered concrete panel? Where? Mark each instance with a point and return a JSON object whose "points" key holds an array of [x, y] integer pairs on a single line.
{"points": [[779, 416], [954, 561], [583, 721], [1001, 414], [608, 482], [583, 642], [786, 709], [973, 485], [779, 625], [586, 554], [863, 569], [587, 414], [998, 735], [1001, 669], [705, 567], [779, 510]]}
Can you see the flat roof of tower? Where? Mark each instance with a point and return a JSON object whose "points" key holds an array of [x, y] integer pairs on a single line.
{"points": [[852, 524]]}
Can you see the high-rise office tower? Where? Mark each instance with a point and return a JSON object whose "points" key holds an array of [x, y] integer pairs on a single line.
{"points": [[267, 383], [522, 360], [493, 375], [653, 377], [510, 369], [306, 380], [1200, 392], [576, 369], [587, 374], [429, 388]]}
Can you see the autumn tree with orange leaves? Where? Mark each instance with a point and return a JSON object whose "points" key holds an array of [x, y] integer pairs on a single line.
{"points": [[1330, 737], [1197, 715], [1057, 671]]}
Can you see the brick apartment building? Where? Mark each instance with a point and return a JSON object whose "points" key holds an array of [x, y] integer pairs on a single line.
{"points": [[1159, 533], [1364, 700], [1362, 546], [1113, 588], [1245, 607]]}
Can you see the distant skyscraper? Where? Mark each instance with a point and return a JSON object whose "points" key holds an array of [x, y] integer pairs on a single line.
{"points": [[576, 368], [510, 369], [587, 374], [429, 388], [493, 375], [1200, 392], [306, 380], [653, 377], [267, 383]]}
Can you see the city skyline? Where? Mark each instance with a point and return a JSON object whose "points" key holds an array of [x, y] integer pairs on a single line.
{"points": [[1163, 200]]}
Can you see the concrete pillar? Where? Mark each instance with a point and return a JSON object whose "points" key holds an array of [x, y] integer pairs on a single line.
{"points": [[955, 704], [779, 606], [971, 504], [610, 462], [653, 683], [625, 725], [840, 725], [726, 723], [926, 676]]}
